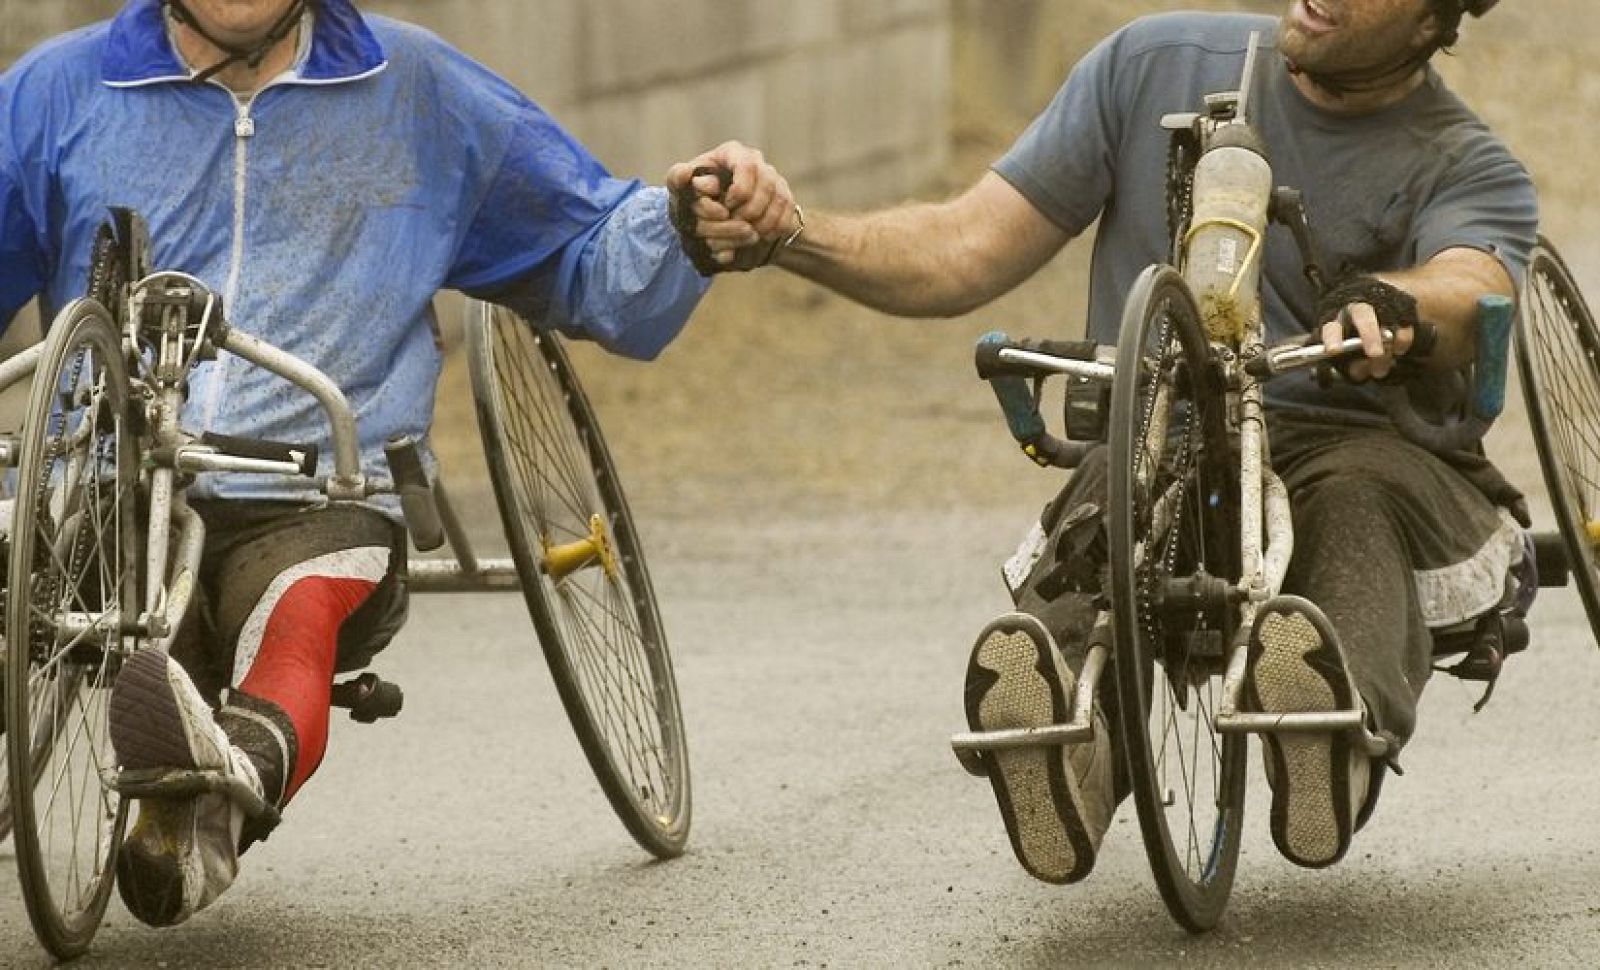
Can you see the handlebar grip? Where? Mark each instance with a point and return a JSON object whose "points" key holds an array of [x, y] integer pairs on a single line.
{"points": [[1494, 349], [261, 448], [1487, 396], [416, 493], [1021, 411], [990, 364]]}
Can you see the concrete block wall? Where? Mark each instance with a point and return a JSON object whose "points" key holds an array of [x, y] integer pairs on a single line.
{"points": [[850, 98]]}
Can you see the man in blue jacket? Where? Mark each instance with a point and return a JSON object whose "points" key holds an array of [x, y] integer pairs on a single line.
{"points": [[326, 173]]}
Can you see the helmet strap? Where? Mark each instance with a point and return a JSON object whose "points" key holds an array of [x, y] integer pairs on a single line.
{"points": [[251, 56]]}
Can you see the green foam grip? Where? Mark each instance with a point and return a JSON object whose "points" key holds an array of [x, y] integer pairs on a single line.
{"points": [[1494, 350], [1016, 400]]}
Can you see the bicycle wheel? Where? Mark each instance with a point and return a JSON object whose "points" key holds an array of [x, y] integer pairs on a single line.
{"points": [[583, 573], [1558, 359], [43, 740], [1173, 522], [73, 567]]}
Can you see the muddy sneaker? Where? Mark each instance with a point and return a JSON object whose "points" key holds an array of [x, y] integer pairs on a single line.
{"points": [[1318, 780], [182, 852], [1056, 803]]}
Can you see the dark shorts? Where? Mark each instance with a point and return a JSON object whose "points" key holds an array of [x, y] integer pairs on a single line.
{"points": [[250, 546], [1391, 541]]}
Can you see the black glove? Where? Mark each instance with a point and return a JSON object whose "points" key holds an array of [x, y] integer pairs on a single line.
{"points": [[683, 220], [1396, 310]]}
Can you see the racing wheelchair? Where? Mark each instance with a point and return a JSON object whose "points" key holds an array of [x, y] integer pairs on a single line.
{"points": [[103, 554], [1197, 526]]}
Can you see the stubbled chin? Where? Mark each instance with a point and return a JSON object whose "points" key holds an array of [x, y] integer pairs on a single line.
{"points": [[1292, 42]]}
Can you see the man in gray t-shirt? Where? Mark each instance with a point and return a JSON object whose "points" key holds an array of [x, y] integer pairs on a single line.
{"points": [[1418, 211]]}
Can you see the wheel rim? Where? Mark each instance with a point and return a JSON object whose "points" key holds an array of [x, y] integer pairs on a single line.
{"points": [[1171, 503], [64, 628], [591, 593], [1558, 347]]}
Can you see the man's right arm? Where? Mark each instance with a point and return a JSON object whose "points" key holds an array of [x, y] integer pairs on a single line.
{"points": [[924, 260], [929, 260]]}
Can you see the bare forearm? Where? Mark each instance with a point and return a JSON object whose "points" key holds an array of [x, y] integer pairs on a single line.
{"points": [[1447, 289], [928, 260], [914, 261]]}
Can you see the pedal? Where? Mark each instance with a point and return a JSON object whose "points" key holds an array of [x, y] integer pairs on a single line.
{"points": [[185, 783], [369, 698]]}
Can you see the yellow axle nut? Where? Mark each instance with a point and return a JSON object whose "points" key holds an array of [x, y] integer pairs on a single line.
{"points": [[561, 561]]}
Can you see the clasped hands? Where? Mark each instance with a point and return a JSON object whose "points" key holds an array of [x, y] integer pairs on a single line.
{"points": [[733, 209]]}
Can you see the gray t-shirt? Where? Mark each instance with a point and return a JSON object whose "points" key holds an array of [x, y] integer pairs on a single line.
{"points": [[1384, 191]]}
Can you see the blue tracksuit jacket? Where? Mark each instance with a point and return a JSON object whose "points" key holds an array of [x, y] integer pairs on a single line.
{"points": [[327, 209]]}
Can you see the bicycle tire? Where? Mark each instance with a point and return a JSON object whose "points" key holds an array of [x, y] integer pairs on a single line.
{"points": [[556, 486], [1558, 359], [1169, 445], [42, 742], [67, 625]]}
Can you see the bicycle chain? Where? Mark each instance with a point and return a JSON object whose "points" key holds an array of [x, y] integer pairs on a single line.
{"points": [[1147, 583]]}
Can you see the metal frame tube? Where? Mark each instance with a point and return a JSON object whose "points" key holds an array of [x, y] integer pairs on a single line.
{"points": [[450, 576], [203, 458], [191, 530], [970, 745], [346, 483], [1280, 532], [454, 532], [24, 363], [1088, 370]]}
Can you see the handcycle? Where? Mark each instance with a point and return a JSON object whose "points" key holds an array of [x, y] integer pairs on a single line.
{"points": [[1198, 527], [104, 552]]}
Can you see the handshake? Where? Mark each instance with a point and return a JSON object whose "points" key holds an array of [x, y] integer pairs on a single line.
{"points": [[732, 209]]}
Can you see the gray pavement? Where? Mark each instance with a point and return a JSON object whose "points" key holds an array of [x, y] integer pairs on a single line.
{"points": [[820, 665]]}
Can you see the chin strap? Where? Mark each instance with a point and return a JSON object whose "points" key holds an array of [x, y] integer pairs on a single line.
{"points": [[251, 56]]}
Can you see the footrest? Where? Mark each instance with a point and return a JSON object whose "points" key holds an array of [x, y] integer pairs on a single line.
{"points": [[970, 746], [1306, 722], [180, 783], [263, 450]]}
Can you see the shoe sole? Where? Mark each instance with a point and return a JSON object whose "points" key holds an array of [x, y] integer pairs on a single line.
{"points": [[1311, 801], [145, 724], [1013, 683]]}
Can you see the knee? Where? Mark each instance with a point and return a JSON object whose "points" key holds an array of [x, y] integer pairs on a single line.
{"points": [[1341, 499]]}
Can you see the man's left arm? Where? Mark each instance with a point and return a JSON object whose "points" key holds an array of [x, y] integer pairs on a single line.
{"points": [[550, 233], [1446, 289], [631, 287], [1472, 237]]}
